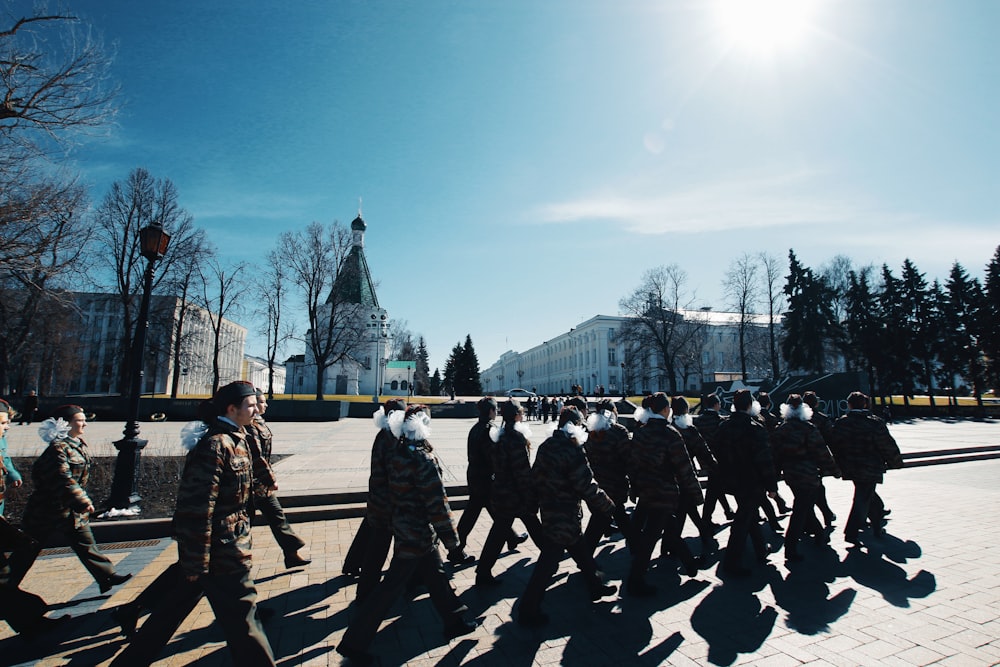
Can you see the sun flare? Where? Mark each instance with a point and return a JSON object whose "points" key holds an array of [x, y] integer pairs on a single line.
{"points": [[764, 26]]}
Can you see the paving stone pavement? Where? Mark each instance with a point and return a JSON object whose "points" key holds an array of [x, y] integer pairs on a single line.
{"points": [[927, 593]]}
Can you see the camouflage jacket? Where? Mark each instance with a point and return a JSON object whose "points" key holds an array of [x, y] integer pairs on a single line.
{"points": [[211, 525], [379, 510], [661, 469], [562, 477], [708, 423], [697, 449], [259, 439], [823, 422], [769, 420], [480, 471], [607, 452], [420, 511], [863, 447], [512, 493], [745, 461], [801, 454], [59, 476]]}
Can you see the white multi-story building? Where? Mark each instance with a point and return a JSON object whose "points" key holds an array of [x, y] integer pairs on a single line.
{"points": [[593, 354], [255, 371]]}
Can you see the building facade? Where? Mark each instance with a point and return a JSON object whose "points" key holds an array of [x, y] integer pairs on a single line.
{"points": [[594, 353]]}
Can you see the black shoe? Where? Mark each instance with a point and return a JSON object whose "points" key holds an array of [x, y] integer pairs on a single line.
{"points": [[460, 628], [783, 507], [730, 515], [640, 589], [114, 580], [295, 560], [853, 539], [692, 567], [775, 527], [886, 512], [520, 539], [602, 590], [355, 656], [532, 619], [487, 581], [126, 616], [829, 519]]}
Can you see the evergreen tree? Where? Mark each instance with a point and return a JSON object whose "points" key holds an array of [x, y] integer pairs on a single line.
{"points": [[452, 369], [895, 338], [809, 322], [991, 320], [467, 380], [961, 355], [862, 349], [922, 322], [435, 383], [421, 375]]}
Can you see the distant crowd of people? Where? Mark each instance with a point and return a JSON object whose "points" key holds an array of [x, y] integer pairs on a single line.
{"points": [[640, 482]]}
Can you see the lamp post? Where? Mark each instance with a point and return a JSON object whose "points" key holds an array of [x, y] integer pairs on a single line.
{"points": [[409, 383], [153, 242], [624, 384]]}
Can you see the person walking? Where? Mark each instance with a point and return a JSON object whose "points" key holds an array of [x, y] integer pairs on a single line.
{"points": [[822, 422], [607, 449], [263, 498], [801, 454], [9, 475], [562, 478], [212, 530], [512, 495], [421, 517], [698, 452], [59, 504], [707, 422], [29, 407], [864, 450], [747, 471]]}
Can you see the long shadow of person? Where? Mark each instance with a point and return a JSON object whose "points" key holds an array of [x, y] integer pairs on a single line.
{"points": [[804, 593], [731, 619], [870, 570]]}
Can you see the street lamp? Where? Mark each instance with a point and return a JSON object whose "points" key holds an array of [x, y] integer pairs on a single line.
{"points": [[409, 384], [624, 384], [153, 242]]}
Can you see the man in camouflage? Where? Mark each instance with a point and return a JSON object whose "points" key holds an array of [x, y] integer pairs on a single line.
{"points": [[562, 478], [420, 517], [59, 504], [661, 472], [263, 498], [864, 449], [707, 422], [212, 530], [607, 449], [822, 422]]}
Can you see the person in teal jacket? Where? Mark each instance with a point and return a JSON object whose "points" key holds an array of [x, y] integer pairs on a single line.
{"points": [[8, 473]]}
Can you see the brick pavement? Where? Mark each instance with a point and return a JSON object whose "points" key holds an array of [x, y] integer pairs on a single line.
{"points": [[929, 593]]}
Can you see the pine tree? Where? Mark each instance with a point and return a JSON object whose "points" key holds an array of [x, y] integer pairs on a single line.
{"points": [[862, 349], [436, 383], [922, 322], [421, 375], [466, 369], [991, 320], [452, 369], [894, 336], [810, 322], [961, 354]]}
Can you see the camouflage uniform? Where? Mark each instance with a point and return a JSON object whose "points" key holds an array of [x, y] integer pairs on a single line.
{"points": [[864, 449], [420, 517], [58, 505], [823, 422], [512, 495], [259, 439], [746, 469], [697, 451], [661, 473], [801, 454], [607, 451], [212, 530], [562, 477], [707, 422]]}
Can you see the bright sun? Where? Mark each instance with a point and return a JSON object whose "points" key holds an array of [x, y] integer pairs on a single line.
{"points": [[764, 27]]}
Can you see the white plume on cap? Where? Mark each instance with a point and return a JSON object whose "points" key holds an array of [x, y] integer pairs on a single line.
{"points": [[802, 411], [396, 419], [575, 431], [601, 421], [683, 421], [496, 432], [641, 415], [417, 426], [52, 429]]}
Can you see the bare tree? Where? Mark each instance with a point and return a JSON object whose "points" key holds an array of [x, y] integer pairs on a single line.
{"points": [[658, 329], [772, 279], [272, 288], [316, 258], [220, 297], [741, 289], [128, 207], [187, 283], [54, 83]]}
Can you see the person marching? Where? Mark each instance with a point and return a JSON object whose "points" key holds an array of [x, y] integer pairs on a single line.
{"points": [[661, 473], [607, 449], [864, 450], [801, 454], [480, 474], [512, 494], [562, 478], [59, 503], [747, 471], [823, 422], [212, 530], [421, 517], [263, 498], [697, 451], [707, 422], [8, 473]]}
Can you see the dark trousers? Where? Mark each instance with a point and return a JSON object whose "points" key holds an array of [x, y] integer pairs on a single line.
{"points": [[659, 524], [272, 511], [714, 493], [376, 551], [363, 628], [500, 533], [744, 525], [823, 505], [803, 517], [867, 506], [548, 564], [689, 509], [600, 522], [81, 541], [234, 602]]}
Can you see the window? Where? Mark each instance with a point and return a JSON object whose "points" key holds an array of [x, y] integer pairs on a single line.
{"points": [[612, 356], [403, 385], [395, 385]]}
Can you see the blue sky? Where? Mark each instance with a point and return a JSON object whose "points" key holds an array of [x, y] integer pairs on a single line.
{"points": [[522, 163]]}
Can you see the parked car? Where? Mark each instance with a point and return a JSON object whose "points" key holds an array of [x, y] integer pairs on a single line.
{"points": [[521, 393]]}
